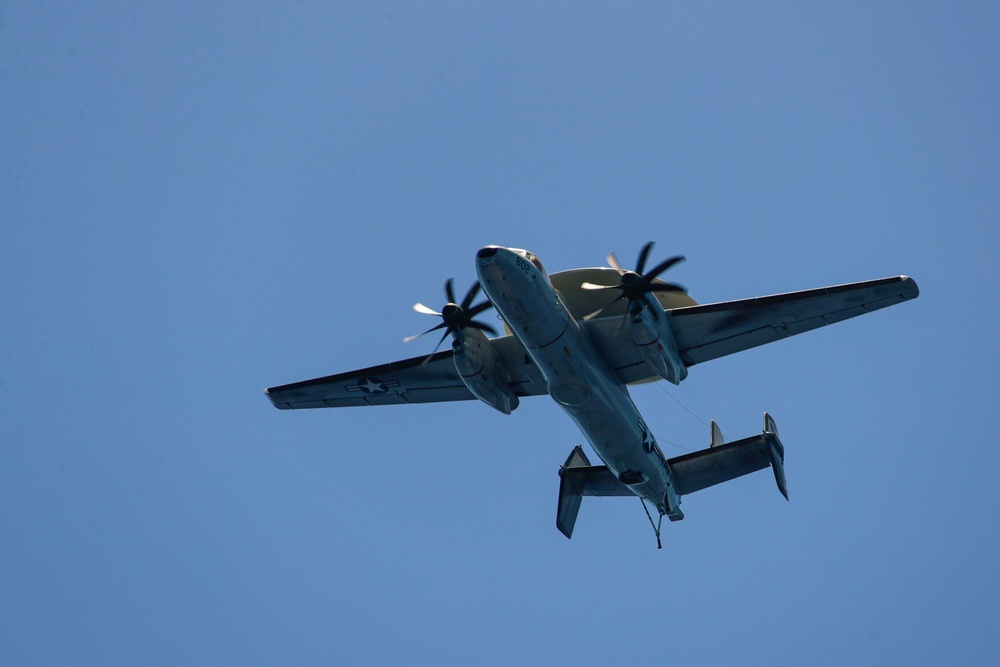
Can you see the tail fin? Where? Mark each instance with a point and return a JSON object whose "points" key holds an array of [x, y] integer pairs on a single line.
{"points": [[717, 437], [569, 496], [776, 452], [578, 479]]}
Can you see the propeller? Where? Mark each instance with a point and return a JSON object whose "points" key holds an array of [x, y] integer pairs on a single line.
{"points": [[455, 316], [636, 286]]}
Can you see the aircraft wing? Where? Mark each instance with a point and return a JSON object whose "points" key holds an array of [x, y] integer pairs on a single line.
{"points": [[407, 381], [714, 330], [613, 341]]}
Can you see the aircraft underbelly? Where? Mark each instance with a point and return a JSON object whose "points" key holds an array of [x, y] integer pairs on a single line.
{"points": [[578, 378], [611, 424]]}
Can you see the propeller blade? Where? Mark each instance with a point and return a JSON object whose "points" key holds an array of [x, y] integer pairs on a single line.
{"points": [[613, 263], [482, 327], [662, 266], [443, 338], [605, 307], [421, 308], [643, 254], [411, 338], [637, 286], [666, 287], [475, 310], [431, 355], [470, 295], [458, 317]]}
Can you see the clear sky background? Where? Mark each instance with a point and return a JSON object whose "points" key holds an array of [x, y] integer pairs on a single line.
{"points": [[199, 202]]}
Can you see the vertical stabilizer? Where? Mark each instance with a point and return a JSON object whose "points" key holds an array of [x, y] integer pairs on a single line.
{"points": [[577, 478], [769, 425], [569, 495], [776, 453], [717, 437]]}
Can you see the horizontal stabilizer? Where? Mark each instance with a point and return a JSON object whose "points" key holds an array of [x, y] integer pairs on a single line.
{"points": [[577, 479], [723, 462]]}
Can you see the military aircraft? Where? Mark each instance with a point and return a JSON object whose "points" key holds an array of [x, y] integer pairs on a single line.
{"points": [[582, 336]]}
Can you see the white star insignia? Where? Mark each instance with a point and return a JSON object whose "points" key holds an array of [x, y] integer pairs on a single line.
{"points": [[372, 387], [369, 386]]}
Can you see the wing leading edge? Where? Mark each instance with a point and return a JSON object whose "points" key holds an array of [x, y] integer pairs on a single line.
{"points": [[416, 380], [715, 330], [407, 381]]}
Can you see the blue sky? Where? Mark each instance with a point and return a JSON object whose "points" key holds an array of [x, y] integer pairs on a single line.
{"points": [[198, 202]]}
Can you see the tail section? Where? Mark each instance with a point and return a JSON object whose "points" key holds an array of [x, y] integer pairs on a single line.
{"points": [[776, 453], [578, 479], [569, 495], [717, 437], [719, 463], [725, 461]]}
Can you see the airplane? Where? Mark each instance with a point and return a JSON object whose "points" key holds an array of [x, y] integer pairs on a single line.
{"points": [[583, 336]]}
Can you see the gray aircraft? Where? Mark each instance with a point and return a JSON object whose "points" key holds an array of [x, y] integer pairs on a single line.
{"points": [[582, 336]]}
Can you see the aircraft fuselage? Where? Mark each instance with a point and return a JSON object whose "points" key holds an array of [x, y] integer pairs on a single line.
{"points": [[579, 379]]}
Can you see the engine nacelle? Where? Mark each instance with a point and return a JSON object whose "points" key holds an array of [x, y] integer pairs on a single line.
{"points": [[654, 338], [483, 372]]}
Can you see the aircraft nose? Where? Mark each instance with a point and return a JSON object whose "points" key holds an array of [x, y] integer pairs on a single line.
{"points": [[487, 252]]}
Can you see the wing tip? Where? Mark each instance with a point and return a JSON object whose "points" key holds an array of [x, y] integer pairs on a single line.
{"points": [[912, 289], [273, 399]]}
